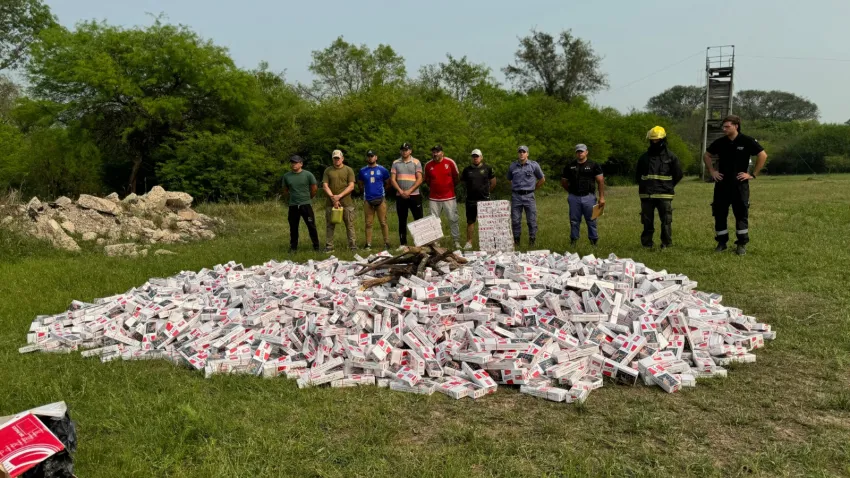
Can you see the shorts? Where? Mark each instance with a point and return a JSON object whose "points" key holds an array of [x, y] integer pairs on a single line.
{"points": [[471, 212]]}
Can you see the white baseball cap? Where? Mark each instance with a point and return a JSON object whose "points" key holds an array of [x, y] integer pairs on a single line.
{"points": [[476, 152]]}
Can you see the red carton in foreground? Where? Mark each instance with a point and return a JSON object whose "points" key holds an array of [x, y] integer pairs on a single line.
{"points": [[24, 443]]}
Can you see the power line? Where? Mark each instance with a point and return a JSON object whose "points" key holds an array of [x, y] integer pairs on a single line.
{"points": [[659, 71], [805, 58]]}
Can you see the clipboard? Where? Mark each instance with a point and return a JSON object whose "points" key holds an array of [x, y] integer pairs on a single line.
{"points": [[598, 210]]}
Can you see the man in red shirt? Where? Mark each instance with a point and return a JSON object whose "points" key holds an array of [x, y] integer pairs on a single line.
{"points": [[442, 176]]}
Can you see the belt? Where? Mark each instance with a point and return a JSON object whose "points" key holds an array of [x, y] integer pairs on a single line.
{"points": [[581, 195], [523, 192]]}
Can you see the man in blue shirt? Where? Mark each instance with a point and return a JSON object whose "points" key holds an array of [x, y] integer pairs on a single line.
{"points": [[373, 180], [525, 177]]}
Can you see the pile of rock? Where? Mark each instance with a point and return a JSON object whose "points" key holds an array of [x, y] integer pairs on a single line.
{"points": [[158, 217]]}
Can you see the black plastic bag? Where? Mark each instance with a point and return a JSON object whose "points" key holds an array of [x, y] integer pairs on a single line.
{"points": [[60, 465]]}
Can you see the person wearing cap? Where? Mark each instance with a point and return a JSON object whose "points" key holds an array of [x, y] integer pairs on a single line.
{"points": [[338, 183], [301, 187], [580, 178], [525, 177], [479, 180], [442, 176], [732, 181], [657, 174], [374, 179], [405, 177]]}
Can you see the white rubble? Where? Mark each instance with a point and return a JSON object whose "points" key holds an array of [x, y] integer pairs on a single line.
{"points": [[159, 216], [557, 326]]}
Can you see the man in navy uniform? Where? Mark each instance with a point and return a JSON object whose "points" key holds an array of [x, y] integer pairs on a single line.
{"points": [[732, 181]]}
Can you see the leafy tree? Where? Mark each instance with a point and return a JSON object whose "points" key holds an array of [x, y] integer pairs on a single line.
{"points": [[459, 78], [572, 72], [134, 89], [49, 162], [774, 105], [678, 102], [20, 23], [9, 92], [219, 166], [279, 123], [344, 68]]}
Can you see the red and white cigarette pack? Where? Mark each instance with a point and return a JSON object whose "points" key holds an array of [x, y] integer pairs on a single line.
{"points": [[24, 443]]}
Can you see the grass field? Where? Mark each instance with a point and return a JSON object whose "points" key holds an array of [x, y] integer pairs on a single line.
{"points": [[786, 415]]}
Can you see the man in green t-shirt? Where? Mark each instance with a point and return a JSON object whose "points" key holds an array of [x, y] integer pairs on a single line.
{"points": [[301, 187], [338, 183]]}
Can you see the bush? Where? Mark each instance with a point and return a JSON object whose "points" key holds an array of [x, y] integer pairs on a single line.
{"points": [[213, 167], [808, 152]]}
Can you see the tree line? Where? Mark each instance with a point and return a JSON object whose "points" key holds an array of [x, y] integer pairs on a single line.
{"points": [[106, 108]]}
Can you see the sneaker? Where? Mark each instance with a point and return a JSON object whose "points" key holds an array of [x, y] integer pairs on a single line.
{"points": [[316, 247], [573, 242], [353, 248], [293, 250], [532, 242], [648, 246], [468, 246], [402, 248], [593, 242], [388, 247], [741, 250], [720, 247], [329, 249], [666, 246], [457, 245], [367, 246]]}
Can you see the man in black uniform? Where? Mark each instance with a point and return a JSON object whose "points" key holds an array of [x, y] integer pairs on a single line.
{"points": [[732, 181], [658, 171], [580, 178], [479, 180]]}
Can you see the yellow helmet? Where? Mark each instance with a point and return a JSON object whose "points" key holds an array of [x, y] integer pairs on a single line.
{"points": [[656, 133]]}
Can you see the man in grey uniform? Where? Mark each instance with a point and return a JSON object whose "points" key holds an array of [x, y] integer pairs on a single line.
{"points": [[525, 177]]}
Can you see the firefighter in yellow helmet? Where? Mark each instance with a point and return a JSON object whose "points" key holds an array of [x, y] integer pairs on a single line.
{"points": [[657, 173]]}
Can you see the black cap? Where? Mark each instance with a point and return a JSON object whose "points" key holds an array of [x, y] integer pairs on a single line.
{"points": [[370, 153], [437, 148], [296, 159], [405, 146]]}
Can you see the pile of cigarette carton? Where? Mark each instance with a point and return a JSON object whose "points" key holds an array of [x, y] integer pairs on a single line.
{"points": [[494, 226], [557, 326], [426, 230]]}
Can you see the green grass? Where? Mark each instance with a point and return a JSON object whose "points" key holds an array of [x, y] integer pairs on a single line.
{"points": [[786, 415]]}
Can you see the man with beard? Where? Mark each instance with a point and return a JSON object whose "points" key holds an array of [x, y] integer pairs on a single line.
{"points": [[581, 177], [658, 171]]}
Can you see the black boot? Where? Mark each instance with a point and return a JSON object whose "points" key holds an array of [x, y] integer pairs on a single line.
{"points": [[721, 246], [741, 250]]}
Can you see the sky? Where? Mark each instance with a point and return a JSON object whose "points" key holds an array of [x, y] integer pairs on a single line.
{"points": [[647, 46]]}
